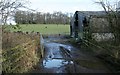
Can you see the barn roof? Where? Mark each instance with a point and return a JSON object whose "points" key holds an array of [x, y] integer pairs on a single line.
{"points": [[91, 13]]}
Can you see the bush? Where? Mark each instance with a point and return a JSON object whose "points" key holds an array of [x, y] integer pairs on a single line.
{"points": [[20, 52]]}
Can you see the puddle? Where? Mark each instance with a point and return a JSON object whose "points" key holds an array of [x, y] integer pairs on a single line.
{"points": [[52, 63], [53, 57], [53, 49]]}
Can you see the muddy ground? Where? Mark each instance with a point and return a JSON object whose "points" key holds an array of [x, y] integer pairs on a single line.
{"points": [[62, 57]]}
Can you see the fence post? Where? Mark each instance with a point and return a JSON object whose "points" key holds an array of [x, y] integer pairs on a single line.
{"points": [[0, 48], [42, 45]]}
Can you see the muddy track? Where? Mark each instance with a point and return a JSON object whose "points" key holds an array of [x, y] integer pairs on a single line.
{"points": [[64, 58]]}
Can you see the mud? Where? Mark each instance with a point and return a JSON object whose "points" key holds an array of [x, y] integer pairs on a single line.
{"points": [[56, 61]]}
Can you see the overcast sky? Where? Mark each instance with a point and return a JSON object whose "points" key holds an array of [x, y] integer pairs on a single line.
{"points": [[64, 5]]}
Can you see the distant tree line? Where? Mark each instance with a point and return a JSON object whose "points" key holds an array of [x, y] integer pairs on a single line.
{"points": [[26, 17]]}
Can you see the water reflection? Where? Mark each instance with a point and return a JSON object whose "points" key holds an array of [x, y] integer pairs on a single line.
{"points": [[54, 63], [52, 52]]}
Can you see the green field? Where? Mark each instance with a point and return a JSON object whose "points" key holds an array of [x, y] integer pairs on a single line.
{"points": [[44, 28]]}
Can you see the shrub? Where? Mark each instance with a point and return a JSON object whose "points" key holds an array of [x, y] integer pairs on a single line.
{"points": [[20, 52]]}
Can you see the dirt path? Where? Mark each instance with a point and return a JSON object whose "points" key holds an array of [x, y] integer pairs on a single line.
{"points": [[64, 58]]}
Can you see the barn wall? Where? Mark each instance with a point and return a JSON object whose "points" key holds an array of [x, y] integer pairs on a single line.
{"points": [[80, 26], [99, 25], [100, 29], [102, 36], [72, 26]]}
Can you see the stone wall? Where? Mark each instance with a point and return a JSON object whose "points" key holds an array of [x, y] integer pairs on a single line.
{"points": [[100, 29], [99, 25]]}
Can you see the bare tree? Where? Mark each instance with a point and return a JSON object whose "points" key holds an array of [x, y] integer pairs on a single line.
{"points": [[113, 17], [8, 7]]}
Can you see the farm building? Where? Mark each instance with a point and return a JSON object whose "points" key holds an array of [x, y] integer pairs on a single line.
{"points": [[94, 22]]}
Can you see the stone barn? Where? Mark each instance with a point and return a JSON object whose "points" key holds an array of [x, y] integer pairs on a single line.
{"points": [[90, 21], [76, 25]]}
